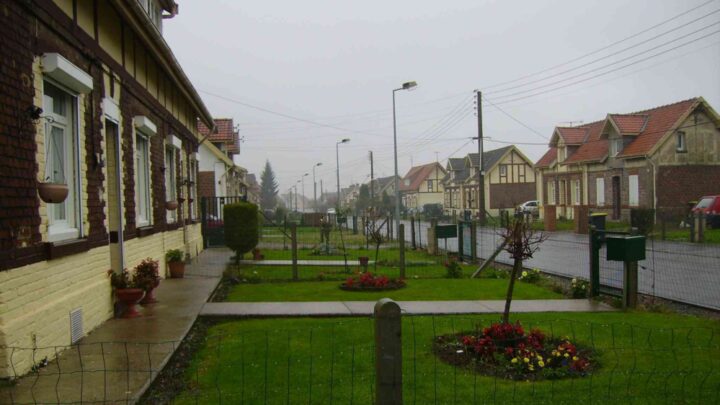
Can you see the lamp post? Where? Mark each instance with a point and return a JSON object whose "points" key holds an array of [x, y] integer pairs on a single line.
{"points": [[296, 206], [303, 190], [405, 86], [337, 160], [315, 187]]}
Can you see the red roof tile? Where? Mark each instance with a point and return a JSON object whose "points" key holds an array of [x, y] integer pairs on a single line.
{"points": [[548, 158], [572, 135], [417, 174], [629, 124], [224, 132], [594, 149], [660, 120]]}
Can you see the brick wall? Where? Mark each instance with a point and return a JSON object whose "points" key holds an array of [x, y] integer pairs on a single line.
{"points": [[206, 184], [511, 195], [676, 185]]}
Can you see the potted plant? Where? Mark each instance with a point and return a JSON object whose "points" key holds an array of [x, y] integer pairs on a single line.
{"points": [[147, 277], [171, 205], [126, 291], [52, 193], [174, 259]]}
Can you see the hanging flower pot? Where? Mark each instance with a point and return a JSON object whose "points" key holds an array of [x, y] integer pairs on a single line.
{"points": [[171, 205], [52, 193]]}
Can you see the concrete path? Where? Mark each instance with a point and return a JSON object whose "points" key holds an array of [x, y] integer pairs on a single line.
{"points": [[365, 308], [118, 360], [332, 263]]}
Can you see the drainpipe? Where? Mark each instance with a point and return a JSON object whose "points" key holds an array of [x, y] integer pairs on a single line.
{"points": [[654, 179]]}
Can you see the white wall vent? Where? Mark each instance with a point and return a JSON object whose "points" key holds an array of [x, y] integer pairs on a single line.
{"points": [[76, 326]]}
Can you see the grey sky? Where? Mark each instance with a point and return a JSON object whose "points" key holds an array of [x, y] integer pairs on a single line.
{"points": [[336, 63]]}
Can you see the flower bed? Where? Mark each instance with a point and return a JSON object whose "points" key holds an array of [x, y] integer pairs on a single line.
{"points": [[369, 282], [506, 351]]}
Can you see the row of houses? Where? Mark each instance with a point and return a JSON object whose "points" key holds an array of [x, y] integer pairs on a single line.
{"points": [[105, 149], [661, 158]]}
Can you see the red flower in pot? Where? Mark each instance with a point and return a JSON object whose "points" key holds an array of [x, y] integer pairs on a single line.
{"points": [[147, 277]]}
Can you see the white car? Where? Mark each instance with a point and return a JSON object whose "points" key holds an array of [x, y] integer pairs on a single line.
{"points": [[530, 207]]}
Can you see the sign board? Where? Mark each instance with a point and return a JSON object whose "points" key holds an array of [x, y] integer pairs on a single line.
{"points": [[445, 231]]}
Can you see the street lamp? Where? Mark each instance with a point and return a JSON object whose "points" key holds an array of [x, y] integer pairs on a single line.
{"points": [[315, 187], [337, 160], [405, 86], [303, 190]]}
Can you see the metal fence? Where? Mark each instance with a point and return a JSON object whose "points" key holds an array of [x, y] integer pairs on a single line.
{"points": [[327, 361]]}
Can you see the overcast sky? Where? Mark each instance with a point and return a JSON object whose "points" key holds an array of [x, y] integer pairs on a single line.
{"points": [[320, 71]]}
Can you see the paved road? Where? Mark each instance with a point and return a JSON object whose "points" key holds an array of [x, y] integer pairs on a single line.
{"points": [[678, 271]]}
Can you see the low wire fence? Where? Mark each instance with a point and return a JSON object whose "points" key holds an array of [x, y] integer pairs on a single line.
{"points": [[328, 361]]}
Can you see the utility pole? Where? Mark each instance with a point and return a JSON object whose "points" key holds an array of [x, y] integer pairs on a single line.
{"points": [[372, 179], [481, 173]]}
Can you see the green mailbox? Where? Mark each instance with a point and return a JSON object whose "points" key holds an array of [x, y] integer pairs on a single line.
{"points": [[625, 248]]}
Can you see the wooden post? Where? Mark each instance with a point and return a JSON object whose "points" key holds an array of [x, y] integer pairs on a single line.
{"points": [[293, 244], [595, 245], [401, 241], [630, 285], [388, 353]]}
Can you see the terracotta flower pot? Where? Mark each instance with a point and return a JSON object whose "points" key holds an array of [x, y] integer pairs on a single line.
{"points": [[52, 192], [129, 297], [171, 205], [149, 297], [177, 269]]}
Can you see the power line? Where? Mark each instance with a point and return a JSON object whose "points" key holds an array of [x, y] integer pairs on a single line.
{"points": [[515, 119], [602, 48]]}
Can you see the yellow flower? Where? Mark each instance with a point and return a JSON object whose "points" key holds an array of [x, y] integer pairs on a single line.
{"points": [[524, 273], [567, 355], [514, 360], [554, 353], [539, 357], [541, 363], [576, 358], [526, 360], [531, 368]]}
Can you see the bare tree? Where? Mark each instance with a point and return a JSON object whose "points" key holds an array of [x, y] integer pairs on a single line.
{"points": [[521, 242], [374, 232]]}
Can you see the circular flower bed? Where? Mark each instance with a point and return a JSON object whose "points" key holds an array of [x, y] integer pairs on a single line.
{"points": [[369, 282], [506, 351]]}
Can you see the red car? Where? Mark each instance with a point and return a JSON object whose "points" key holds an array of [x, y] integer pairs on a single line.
{"points": [[710, 206]]}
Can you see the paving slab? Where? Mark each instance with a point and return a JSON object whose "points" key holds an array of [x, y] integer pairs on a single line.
{"points": [[117, 361], [365, 308]]}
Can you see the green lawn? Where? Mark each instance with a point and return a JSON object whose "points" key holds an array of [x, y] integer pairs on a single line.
{"points": [[683, 235], [311, 235], [416, 290], [645, 358]]}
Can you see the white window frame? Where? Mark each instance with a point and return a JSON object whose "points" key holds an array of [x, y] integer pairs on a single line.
{"points": [[681, 142], [600, 191], [551, 192], [633, 190], [616, 146], [171, 180], [563, 192], [577, 198], [143, 196], [503, 170], [430, 186], [69, 227]]}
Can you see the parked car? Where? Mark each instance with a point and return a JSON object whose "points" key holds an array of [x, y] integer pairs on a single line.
{"points": [[529, 207], [710, 206]]}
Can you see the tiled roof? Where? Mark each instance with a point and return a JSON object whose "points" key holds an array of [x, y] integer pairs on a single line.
{"points": [[456, 163], [660, 121], [572, 135], [417, 174], [548, 158], [629, 124], [224, 133], [489, 158], [594, 149]]}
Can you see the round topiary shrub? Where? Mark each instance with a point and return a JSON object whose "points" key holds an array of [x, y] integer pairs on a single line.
{"points": [[241, 227]]}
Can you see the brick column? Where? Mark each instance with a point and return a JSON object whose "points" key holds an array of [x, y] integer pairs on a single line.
{"points": [[581, 219], [550, 220]]}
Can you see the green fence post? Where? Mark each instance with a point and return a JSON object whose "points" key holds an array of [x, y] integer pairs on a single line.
{"points": [[630, 284], [401, 241], [293, 235], [473, 242], [412, 232], [388, 353], [460, 242]]}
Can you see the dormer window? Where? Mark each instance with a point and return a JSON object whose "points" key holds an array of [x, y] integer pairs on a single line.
{"points": [[681, 145], [616, 146]]}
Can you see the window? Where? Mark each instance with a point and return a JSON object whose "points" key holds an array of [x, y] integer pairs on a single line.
{"points": [[61, 160], [192, 167], [551, 193], [170, 181], [503, 170], [600, 191], [634, 190], [142, 180], [681, 145], [430, 186], [562, 192], [616, 146]]}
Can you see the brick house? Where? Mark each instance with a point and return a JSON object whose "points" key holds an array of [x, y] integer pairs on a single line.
{"points": [[509, 181], [218, 175], [659, 158], [421, 185], [93, 98]]}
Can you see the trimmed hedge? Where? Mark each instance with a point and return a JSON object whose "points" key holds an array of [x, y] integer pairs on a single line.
{"points": [[242, 227], [643, 219]]}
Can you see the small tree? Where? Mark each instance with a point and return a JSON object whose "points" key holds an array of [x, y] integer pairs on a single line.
{"points": [[521, 242], [374, 231], [241, 228]]}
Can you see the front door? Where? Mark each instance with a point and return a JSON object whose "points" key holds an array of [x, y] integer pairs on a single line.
{"points": [[616, 197], [115, 210]]}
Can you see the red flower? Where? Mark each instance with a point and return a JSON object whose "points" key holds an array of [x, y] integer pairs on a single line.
{"points": [[349, 282]]}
